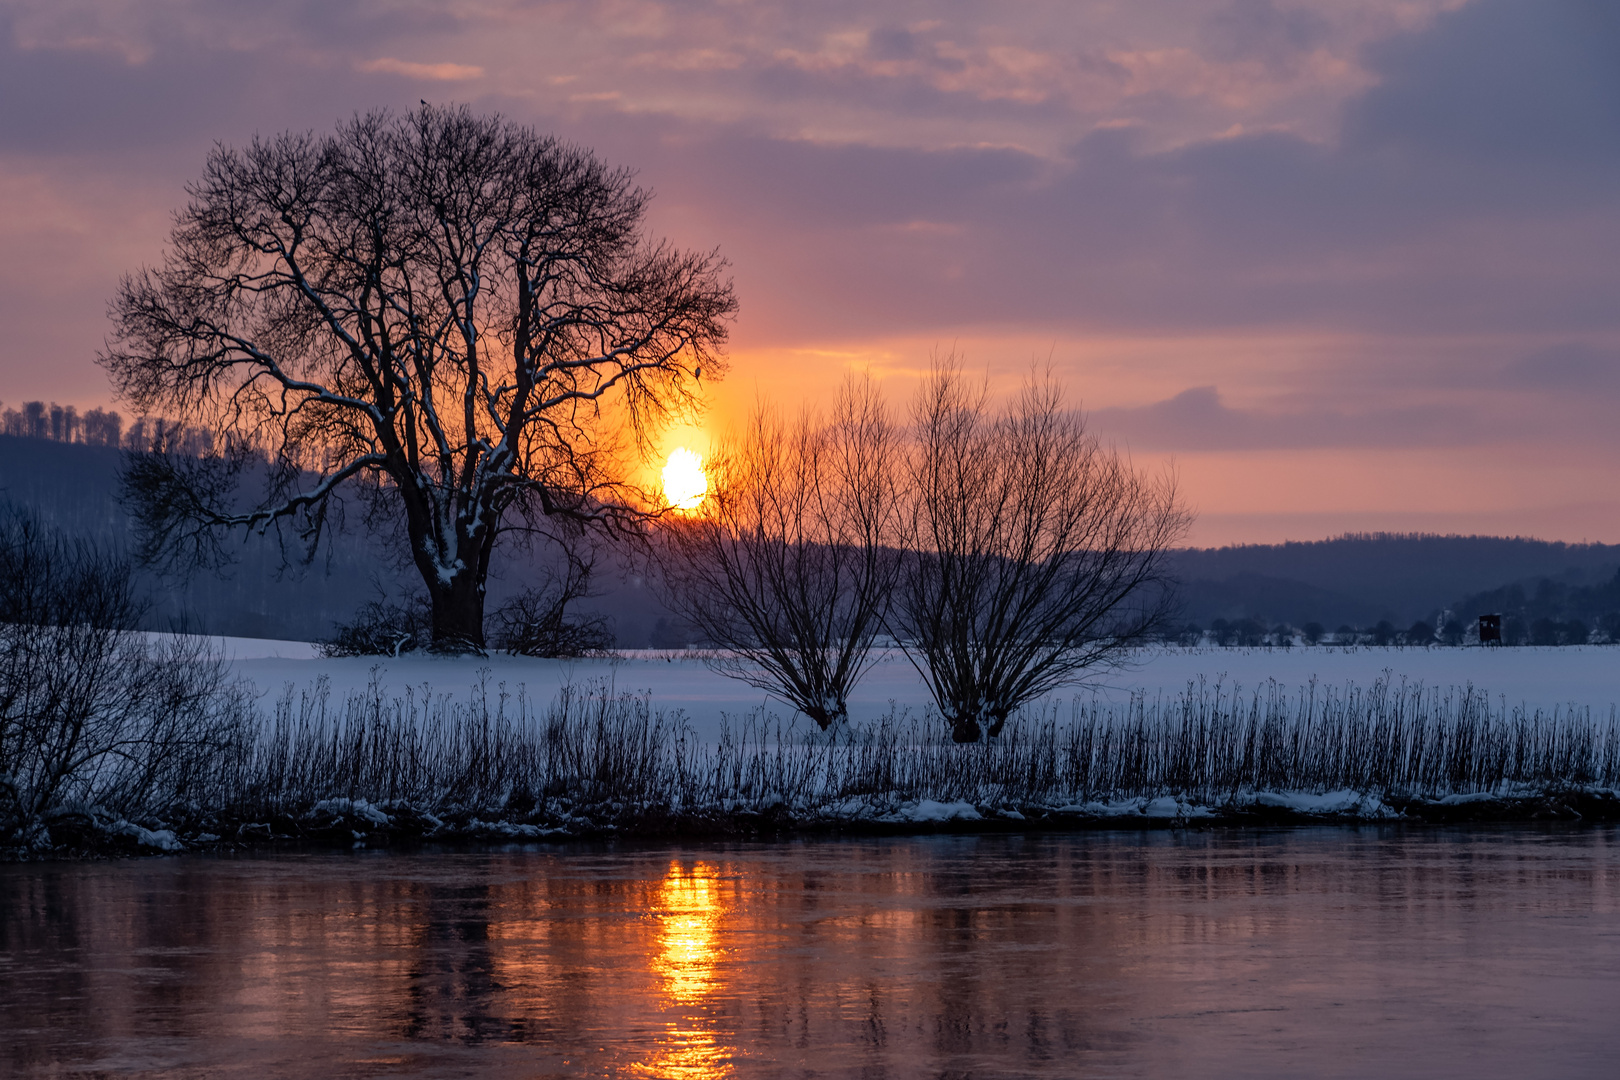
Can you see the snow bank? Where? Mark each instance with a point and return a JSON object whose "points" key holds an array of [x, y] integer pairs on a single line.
{"points": [[1544, 678]]}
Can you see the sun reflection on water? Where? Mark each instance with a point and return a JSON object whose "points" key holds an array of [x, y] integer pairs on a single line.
{"points": [[689, 908]]}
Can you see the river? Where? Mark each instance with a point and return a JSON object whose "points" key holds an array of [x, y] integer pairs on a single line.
{"points": [[1353, 952]]}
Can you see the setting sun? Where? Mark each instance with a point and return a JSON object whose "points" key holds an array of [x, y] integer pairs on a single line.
{"points": [[684, 481]]}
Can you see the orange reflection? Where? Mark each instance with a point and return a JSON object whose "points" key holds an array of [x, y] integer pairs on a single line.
{"points": [[682, 1053], [689, 910]]}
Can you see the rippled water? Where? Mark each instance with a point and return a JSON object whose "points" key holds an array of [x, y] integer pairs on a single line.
{"points": [[1329, 952]]}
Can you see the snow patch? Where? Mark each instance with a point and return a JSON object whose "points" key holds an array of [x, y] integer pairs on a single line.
{"points": [[358, 808], [1535, 678], [157, 839], [929, 810], [1473, 797], [1343, 801]]}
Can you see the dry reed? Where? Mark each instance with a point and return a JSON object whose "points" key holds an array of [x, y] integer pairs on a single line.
{"points": [[596, 752]]}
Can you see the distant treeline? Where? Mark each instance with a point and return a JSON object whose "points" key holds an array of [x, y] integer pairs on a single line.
{"points": [[102, 427], [1548, 613], [1552, 612]]}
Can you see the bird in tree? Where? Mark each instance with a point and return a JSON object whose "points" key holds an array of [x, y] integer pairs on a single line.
{"points": [[458, 321]]}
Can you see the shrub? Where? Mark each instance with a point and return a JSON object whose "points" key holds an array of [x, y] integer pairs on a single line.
{"points": [[383, 628], [1558, 632], [536, 622], [93, 714]]}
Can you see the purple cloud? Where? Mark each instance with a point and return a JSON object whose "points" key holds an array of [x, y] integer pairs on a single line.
{"points": [[917, 171], [1197, 420]]}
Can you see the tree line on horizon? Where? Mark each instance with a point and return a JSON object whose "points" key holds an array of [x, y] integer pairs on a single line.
{"points": [[103, 427], [1549, 613]]}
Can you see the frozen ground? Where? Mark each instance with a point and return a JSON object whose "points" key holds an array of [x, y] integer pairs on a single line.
{"points": [[1534, 677]]}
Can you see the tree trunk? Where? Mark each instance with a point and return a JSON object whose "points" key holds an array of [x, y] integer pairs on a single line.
{"points": [[455, 593], [458, 613]]}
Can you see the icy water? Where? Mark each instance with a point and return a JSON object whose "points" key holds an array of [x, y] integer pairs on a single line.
{"points": [[1331, 952]]}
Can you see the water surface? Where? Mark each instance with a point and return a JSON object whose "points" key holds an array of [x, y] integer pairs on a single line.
{"points": [[1331, 952]]}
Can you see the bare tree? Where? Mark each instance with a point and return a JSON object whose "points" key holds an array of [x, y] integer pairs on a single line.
{"points": [[94, 714], [448, 315], [784, 565], [1033, 553]]}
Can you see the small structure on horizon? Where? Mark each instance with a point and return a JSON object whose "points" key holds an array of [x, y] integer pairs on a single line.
{"points": [[1490, 629]]}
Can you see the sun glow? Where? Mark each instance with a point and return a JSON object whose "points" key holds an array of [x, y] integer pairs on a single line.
{"points": [[684, 481]]}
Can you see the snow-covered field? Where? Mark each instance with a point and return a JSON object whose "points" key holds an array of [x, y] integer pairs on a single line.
{"points": [[1533, 677]]}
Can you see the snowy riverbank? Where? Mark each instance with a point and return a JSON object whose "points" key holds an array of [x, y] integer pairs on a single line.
{"points": [[656, 745], [1533, 678]]}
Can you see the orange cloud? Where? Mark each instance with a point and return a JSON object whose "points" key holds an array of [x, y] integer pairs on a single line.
{"points": [[443, 72]]}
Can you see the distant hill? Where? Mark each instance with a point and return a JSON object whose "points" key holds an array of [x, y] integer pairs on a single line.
{"points": [[1273, 600], [1358, 579], [1361, 579]]}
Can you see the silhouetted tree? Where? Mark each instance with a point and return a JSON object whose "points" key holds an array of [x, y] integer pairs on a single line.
{"points": [[1248, 633], [448, 315], [1313, 632], [784, 564], [1033, 553], [103, 428]]}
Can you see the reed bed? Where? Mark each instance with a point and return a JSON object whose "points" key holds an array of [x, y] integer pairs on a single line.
{"points": [[595, 752]]}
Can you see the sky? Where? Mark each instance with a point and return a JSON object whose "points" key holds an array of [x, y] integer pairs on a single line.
{"points": [[1343, 265]]}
